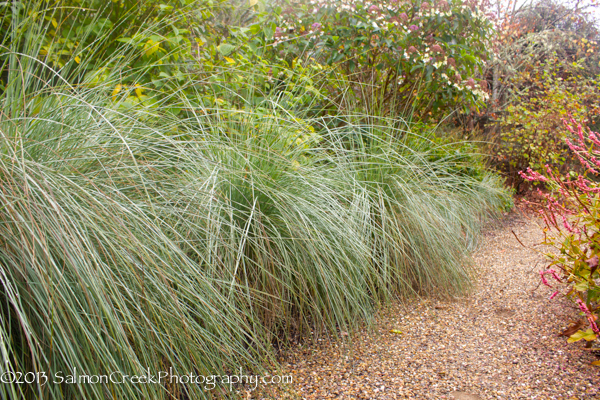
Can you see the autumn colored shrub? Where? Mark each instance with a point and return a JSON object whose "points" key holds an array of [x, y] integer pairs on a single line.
{"points": [[571, 212], [531, 134], [545, 67]]}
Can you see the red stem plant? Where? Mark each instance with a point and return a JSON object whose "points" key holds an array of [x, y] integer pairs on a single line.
{"points": [[571, 212]]}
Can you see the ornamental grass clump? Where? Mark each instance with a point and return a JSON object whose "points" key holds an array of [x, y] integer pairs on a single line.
{"points": [[134, 240], [571, 212], [162, 234]]}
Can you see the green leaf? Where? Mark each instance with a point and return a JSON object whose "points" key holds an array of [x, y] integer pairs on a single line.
{"points": [[593, 294], [126, 40], [254, 29], [225, 49], [269, 30]]}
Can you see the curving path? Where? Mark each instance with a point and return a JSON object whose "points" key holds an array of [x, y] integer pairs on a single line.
{"points": [[499, 342]]}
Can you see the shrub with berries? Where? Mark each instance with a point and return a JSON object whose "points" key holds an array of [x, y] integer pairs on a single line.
{"points": [[411, 56]]}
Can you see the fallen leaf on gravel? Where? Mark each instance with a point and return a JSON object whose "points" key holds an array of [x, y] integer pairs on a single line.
{"points": [[395, 331], [577, 336], [572, 329]]}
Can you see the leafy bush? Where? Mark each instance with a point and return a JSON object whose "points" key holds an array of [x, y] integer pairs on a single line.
{"points": [[546, 67], [531, 134], [571, 213], [89, 37], [407, 57]]}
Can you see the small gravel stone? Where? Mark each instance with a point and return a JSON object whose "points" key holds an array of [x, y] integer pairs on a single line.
{"points": [[464, 396], [501, 341]]}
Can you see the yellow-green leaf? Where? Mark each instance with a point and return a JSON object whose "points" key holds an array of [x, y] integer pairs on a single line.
{"points": [[252, 3], [397, 332], [582, 286], [54, 23], [151, 47], [588, 335], [229, 60], [77, 60], [116, 91]]}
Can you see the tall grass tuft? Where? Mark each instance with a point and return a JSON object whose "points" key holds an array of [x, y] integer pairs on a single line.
{"points": [[133, 239]]}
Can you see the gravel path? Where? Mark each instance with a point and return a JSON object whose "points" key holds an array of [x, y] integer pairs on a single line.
{"points": [[499, 342]]}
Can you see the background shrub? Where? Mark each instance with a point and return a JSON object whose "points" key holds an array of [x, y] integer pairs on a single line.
{"points": [[402, 58], [545, 68]]}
